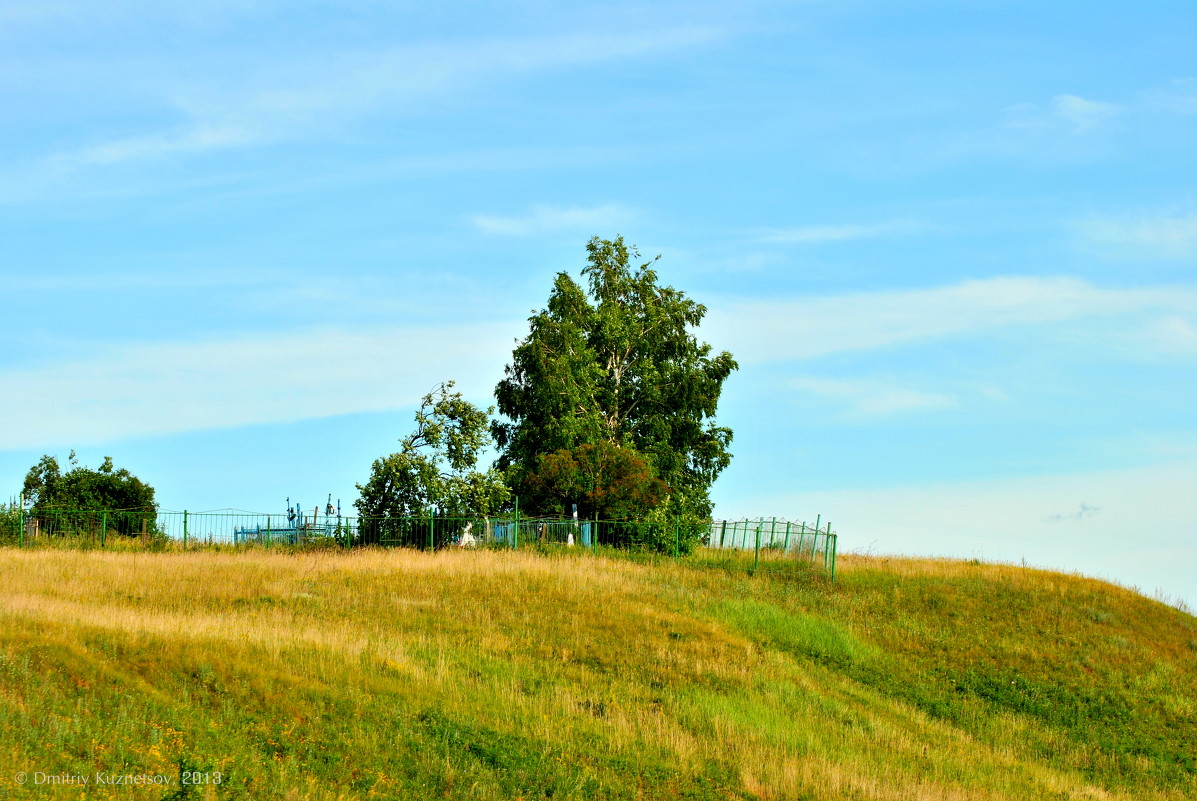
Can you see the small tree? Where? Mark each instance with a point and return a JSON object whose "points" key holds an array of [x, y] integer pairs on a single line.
{"points": [[436, 468], [128, 500], [606, 481], [10, 523]]}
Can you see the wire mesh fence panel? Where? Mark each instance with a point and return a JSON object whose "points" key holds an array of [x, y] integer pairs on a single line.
{"points": [[776, 538], [89, 527], [773, 542], [248, 528], [549, 531]]}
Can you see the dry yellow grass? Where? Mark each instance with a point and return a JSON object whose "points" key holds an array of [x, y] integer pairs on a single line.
{"points": [[493, 675]]}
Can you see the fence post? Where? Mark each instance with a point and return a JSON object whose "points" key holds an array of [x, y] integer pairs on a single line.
{"points": [[677, 539], [814, 540], [515, 536], [594, 533], [184, 529], [786, 548], [834, 549], [772, 531], [103, 527], [431, 523], [827, 548], [723, 533], [21, 523], [757, 561]]}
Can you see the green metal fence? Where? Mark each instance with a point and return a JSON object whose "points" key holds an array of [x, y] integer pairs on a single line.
{"points": [[95, 527], [812, 543], [775, 541]]}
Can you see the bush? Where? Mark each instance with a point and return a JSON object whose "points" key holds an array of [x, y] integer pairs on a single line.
{"points": [[88, 502]]}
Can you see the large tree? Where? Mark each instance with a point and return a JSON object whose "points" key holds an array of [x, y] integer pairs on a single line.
{"points": [[436, 467], [618, 362]]}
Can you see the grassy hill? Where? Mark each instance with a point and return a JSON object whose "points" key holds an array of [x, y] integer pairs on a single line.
{"points": [[507, 675]]}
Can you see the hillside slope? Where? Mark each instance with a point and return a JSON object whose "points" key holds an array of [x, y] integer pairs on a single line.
{"points": [[504, 675]]}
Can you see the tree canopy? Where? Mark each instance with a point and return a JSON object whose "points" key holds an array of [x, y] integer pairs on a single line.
{"points": [[436, 467], [47, 489], [617, 363], [606, 481]]}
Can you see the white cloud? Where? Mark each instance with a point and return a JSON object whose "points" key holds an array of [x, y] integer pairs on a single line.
{"points": [[1068, 113], [196, 140], [147, 389], [1143, 535], [118, 12], [124, 281], [1172, 336], [815, 234], [868, 400], [1170, 237], [318, 95], [809, 327], [548, 219], [1180, 97], [1081, 114]]}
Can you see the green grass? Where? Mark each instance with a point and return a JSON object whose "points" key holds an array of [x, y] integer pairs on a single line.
{"points": [[511, 675]]}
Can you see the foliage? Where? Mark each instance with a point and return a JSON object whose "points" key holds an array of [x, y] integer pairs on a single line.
{"points": [[667, 528], [10, 523], [108, 489], [617, 363], [608, 482], [436, 469]]}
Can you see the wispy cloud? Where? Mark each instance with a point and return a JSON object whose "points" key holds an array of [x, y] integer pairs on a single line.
{"points": [[1069, 113], [124, 281], [1179, 96], [549, 219], [1173, 335], [807, 327], [120, 11], [146, 389], [188, 141], [1083, 115], [1165, 237], [869, 400], [318, 97], [817, 234]]}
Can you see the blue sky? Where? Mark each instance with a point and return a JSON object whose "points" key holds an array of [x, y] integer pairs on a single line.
{"points": [[952, 245]]}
